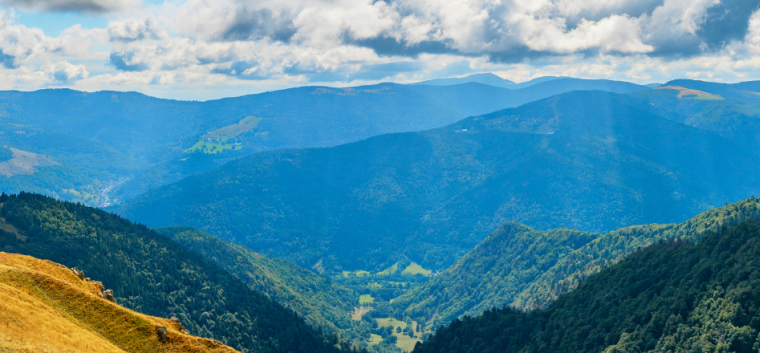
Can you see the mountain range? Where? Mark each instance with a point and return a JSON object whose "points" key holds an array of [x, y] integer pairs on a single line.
{"points": [[589, 160], [102, 148], [454, 215]]}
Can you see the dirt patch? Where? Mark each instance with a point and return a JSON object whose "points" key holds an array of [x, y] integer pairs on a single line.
{"points": [[24, 162], [357, 314]]}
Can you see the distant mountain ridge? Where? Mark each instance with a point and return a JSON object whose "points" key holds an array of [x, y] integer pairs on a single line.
{"points": [[593, 161], [484, 78], [104, 147]]}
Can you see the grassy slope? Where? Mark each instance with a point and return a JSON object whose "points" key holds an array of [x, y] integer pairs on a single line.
{"points": [[44, 306], [172, 282], [529, 269]]}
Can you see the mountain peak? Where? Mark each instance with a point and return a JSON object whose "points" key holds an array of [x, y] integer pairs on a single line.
{"points": [[486, 78]]}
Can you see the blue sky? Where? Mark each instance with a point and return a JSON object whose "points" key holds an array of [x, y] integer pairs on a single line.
{"points": [[205, 49]]}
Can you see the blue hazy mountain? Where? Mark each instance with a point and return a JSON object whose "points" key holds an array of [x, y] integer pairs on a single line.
{"points": [[593, 161], [484, 78], [108, 146], [729, 110]]}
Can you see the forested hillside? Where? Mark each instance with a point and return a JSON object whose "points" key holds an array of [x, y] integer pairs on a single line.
{"points": [[152, 275], [48, 308], [672, 296], [527, 269], [591, 161], [321, 302]]}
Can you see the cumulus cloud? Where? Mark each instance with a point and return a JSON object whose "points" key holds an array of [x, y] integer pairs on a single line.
{"points": [[64, 72], [89, 6], [129, 30], [247, 43]]}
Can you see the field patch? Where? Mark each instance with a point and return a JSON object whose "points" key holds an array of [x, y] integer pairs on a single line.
{"points": [[24, 163], [692, 93], [232, 131], [357, 314], [404, 342], [366, 299], [212, 147], [415, 269], [389, 271], [374, 339], [359, 273], [225, 138]]}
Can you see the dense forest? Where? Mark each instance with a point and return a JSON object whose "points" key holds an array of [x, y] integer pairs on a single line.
{"points": [[673, 296], [151, 274], [322, 302], [527, 269], [581, 160]]}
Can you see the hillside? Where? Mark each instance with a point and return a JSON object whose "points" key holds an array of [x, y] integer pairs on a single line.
{"points": [[316, 299], [730, 110], [527, 269], [104, 147], [150, 274], [44, 306], [592, 161], [672, 296]]}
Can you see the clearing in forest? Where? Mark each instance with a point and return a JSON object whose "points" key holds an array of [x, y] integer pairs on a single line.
{"points": [[24, 162]]}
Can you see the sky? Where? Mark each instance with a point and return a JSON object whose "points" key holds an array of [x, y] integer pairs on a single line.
{"points": [[208, 49]]}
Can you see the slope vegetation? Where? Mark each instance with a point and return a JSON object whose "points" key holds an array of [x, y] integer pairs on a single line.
{"points": [[672, 296], [321, 302], [592, 161], [46, 307], [153, 275], [528, 269]]}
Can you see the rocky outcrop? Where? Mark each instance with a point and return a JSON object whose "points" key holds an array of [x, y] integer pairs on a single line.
{"points": [[107, 295], [163, 335], [79, 273]]}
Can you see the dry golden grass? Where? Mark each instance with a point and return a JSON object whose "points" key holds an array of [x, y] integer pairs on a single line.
{"points": [[44, 307]]}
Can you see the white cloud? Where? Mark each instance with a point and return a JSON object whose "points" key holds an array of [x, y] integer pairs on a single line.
{"points": [[64, 72], [244, 45]]}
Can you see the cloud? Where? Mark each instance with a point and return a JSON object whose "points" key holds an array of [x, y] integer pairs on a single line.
{"points": [[63, 72], [88, 6], [126, 61], [241, 44], [130, 30], [8, 61]]}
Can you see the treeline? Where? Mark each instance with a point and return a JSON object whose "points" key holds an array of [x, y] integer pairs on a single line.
{"points": [[153, 275], [673, 296]]}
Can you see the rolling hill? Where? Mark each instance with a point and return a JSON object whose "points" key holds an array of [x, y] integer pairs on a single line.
{"points": [[45, 307], [592, 161], [526, 269], [152, 275], [673, 296], [102, 148]]}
